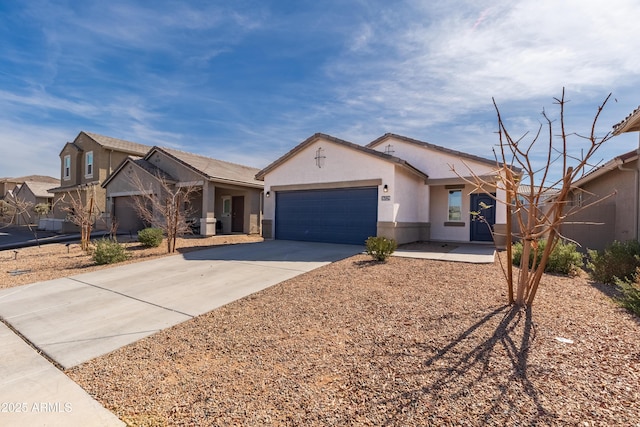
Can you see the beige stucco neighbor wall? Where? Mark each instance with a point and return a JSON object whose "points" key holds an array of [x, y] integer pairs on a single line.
{"points": [[618, 213], [104, 162]]}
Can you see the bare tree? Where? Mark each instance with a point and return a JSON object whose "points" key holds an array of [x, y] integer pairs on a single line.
{"points": [[166, 206], [538, 215], [83, 212]]}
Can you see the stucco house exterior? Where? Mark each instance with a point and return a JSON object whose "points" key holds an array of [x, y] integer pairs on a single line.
{"points": [[330, 190], [617, 182], [27, 191], [227, 198], [8, 186], [85, 164], [33, 193]]}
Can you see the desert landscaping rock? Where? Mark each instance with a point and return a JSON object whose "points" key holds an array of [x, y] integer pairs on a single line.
{"points": [[406, 342]]}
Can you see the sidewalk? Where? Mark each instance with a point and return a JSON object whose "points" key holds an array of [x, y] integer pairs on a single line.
{"points": [[33, 392], [474, 254]]}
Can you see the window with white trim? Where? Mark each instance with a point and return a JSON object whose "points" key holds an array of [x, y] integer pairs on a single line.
{"points": [[88, 164], [66, 174], [455, 205]]}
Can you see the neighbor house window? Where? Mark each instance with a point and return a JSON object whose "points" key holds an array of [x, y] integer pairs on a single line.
{"points": [[67, 167], [455, 205], [88, 164]]}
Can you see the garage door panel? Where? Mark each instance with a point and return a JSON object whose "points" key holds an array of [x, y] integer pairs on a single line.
{"points": [[333, 215], [126, 215]]}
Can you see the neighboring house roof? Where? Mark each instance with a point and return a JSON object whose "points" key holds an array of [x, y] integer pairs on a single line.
{"points": [[456, 153], [38, 188], [39, 178], [612, 164], [365, 150], [631, 123], [212, 169], [115, 144], [143, 164]]}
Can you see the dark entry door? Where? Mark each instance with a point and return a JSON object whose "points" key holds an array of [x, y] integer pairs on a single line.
{"points": [[237, 214], [480, 230]]}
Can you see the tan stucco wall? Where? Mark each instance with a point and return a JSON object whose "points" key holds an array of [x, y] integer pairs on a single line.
{"points": [[619, 212]]}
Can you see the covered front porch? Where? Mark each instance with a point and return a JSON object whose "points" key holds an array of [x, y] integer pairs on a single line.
{"points": [[225, 209]]}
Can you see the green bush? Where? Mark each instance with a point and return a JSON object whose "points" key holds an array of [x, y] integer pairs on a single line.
{"points": [[630, 298], [380, 248], [618, 260], [150, 237], [109, 251], [564, 259]]}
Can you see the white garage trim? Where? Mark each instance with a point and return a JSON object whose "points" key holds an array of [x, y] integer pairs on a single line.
{"points": [[328, 185]]}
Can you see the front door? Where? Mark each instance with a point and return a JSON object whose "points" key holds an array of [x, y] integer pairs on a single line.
{"points": [[237, 214], [482, 225]]}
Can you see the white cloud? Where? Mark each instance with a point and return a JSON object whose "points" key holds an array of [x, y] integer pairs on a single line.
{"points": [[450, 62]]}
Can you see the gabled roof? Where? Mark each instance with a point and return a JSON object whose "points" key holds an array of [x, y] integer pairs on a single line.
{"points": [[143, 164], [212, 169], [115, 144], [365, 150], [38, 188], [631, 123], [423, 144]]}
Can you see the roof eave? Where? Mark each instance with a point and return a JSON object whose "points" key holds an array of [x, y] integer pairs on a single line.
{"points": [[631, 123]]}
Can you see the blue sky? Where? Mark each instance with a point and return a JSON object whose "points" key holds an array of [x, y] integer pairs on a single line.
{"points": [[245, 81]]}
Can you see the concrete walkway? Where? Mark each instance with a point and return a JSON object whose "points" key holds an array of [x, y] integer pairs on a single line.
{"points": [[474, 254], [75, 319]]}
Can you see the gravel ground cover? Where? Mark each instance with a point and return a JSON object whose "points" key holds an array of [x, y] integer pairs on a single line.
{"points": [[408, 342]]}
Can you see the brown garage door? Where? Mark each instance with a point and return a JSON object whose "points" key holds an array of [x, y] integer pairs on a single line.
{"points": [[125, 214]]}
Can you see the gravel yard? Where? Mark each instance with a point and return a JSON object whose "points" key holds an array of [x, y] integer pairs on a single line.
{"points": [[407, 342]]}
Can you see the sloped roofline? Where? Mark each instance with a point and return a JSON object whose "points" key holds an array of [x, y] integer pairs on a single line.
{"points": [[365, 150], [110, 143], [631, 123], [169, 152], [607, 167], [423, 144], [70, 144], [148, 168]]}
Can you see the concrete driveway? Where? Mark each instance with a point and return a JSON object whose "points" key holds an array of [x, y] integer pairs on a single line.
{"points": [[77, 318]]}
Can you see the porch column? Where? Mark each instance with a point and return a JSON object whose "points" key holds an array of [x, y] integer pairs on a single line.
{"points": [[208, 220]]}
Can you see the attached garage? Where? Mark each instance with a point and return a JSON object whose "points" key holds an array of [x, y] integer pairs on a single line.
{"points": [[125, 214], [342, 215]]}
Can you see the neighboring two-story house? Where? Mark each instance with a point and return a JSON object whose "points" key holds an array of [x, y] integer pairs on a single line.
{"points": [[85, 164]]}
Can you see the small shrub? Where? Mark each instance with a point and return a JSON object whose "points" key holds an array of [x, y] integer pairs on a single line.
{"points": [[109, 251], [618, 260], [564, 259], [380, 248], [630, 298], [150, 237]]}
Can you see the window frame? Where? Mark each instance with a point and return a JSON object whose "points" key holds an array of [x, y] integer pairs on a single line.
{"points": [[458, 217], [226, 206], [88, 165], [66, 167]]}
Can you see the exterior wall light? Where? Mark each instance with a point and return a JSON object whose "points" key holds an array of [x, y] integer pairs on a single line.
{"points": [[385, 188], [268, 194]]}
